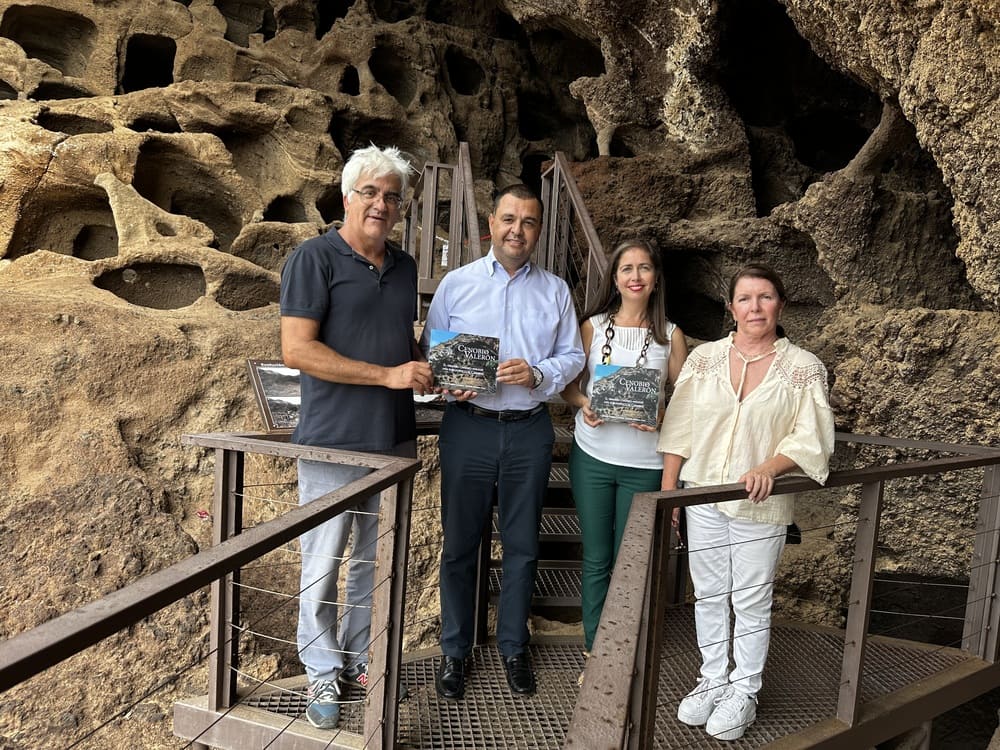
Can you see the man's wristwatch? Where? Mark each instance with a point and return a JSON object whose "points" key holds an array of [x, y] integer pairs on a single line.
{"points": [[536, 377]]}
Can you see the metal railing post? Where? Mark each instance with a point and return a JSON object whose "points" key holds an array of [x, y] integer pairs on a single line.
{"points": [[859, 609], [226, 523], [982, 615], [645, 685]]}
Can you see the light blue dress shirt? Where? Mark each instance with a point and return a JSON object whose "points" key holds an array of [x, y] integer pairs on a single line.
{"points": [[530, 312]]}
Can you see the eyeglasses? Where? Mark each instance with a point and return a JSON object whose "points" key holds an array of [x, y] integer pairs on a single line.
{"points": [[369, 194]]}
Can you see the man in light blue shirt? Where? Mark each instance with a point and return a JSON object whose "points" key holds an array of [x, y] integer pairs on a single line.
{"points": [[501, 441]]}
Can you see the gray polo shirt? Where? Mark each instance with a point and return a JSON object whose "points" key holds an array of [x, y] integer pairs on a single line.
{"points": [[364, 314]]}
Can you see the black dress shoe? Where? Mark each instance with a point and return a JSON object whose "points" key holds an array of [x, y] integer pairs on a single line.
{"points": [[519, 675], [450, 679]]}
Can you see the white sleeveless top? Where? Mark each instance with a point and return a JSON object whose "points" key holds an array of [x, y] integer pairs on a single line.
{"points": [[612, 442]]}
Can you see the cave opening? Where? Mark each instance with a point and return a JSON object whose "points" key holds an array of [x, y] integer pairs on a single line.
{"points": [[96, 241], [465, 75], [330, 204], [71, 124], [531, 170], [350, 83], [149, 63], [285, 208], [157, 122], [328, 12], [168, 177], [58, 38], [7, 91], [241, 291], [692, 303], [392, 72], [803, 118], [53, 90]]}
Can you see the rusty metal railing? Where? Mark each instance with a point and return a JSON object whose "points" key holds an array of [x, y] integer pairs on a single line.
{"points": [[569, 246], [432, 200], [619, 713], [29, 653]]}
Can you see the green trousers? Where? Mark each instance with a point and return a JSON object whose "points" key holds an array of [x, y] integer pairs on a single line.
{"points": [[603, 494]]}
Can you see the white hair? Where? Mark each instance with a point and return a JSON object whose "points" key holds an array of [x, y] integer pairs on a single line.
{"points": [[376, 163]]}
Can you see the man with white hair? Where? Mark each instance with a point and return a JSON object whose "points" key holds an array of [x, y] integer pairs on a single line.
{"points": [[348, 300]]}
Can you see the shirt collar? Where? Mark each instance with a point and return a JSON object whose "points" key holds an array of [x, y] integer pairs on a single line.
{"points": [[493, 265], [779, 346]]}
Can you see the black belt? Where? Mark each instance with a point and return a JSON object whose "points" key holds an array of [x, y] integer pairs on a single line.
{"points": [[504, 415]]}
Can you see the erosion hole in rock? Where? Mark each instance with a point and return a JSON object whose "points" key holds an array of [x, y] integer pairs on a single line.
{"points": [[392, 11], [243, 18], [351, 132], [7, 91], [286, 208], [70, 220], [58, 38], [172, 179], [96, 241], [328, 12], [331, 204], [465, 75], [162, 286], [246, 292], [395, 74], [64, 122], [52, 90], [149, 62], [619, 147], [783, 90], [350, 84], [164, 229], [157, 122]]}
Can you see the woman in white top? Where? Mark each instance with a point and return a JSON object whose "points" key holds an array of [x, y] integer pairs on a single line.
{"points": [[747, 408], [611, 461]]}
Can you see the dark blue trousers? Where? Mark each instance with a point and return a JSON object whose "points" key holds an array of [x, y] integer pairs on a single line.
{"points": [[478, 454]]}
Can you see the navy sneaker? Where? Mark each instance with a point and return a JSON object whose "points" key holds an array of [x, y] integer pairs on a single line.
{"points": [[323, 711]]}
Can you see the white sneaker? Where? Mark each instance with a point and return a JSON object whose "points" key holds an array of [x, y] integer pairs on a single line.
{"points": [[733, 713], [697, 706]]}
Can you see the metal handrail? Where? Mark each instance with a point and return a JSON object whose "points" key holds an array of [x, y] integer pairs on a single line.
{"points": [[31, 652], [564, 210], [420, 222], [616, 713]]}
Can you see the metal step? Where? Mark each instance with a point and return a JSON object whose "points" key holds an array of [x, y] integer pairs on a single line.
{"points": [[558, 525], [559, 476], [557, 583]]}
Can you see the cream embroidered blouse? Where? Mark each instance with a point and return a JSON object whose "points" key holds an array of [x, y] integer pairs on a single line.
{"points": [[721, 437]]}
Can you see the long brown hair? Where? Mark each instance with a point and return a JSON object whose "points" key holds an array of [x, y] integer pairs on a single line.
{"points": [[609, 300]]}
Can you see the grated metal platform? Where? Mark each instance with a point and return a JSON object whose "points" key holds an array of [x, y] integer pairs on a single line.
{"points": [[801, 685]]}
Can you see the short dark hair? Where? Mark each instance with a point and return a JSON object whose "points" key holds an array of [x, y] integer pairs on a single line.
{"points": [[520, 191]]}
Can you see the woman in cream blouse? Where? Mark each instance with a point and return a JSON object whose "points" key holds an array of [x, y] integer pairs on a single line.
{"points": [[747, 408]]}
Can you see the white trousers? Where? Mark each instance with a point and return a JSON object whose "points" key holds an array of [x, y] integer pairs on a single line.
{"points": [[326, 646], [732, 561]]}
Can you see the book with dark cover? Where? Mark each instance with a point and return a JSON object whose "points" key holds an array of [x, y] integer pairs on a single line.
{"points": [[464, 361], [626, 394]]}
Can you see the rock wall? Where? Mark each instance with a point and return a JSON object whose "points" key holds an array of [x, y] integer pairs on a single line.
{"points": [[161, 159]]}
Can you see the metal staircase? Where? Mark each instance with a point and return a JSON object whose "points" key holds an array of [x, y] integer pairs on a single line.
{"points": [[442, 231]]}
